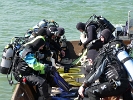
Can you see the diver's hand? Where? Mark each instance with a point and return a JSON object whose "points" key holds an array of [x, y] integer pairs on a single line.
{"points": [[80, 43], [80, 91], [49, 68], [62, 53]]}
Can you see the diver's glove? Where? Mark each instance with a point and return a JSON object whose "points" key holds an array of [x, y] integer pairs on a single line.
{"points": [[39, 55], [49, 69], [80, 43]]}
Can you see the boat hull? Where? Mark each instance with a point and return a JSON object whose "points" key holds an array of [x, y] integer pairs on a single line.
{"points": [[26, 92]]}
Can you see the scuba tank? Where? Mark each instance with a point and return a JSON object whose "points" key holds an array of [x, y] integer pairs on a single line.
{"points": [[105, 23], [7, 57], [127, 61], [100, 22]]}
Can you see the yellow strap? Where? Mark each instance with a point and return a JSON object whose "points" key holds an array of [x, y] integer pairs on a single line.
{"points": [[72, 75], [73, 82], [71, 70]]}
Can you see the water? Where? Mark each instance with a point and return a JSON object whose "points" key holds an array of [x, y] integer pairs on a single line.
{"points": [[16, 16]]}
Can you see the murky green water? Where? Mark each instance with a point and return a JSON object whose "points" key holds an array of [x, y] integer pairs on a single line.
{"points": [[16, 16]]}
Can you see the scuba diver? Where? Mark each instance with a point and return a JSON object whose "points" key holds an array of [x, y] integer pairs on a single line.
{"points": [[28, 66], [87, 33], [91, 55], [42, 24], [62, 41], [56, 39], [61, 32], [105, 37], [32, 32], [45, 53], [92, 28], [38, 32], [94, 47], [108, 70], [91, 31], [54, 46]]}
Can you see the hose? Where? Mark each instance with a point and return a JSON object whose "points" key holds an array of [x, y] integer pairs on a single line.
{"points": [[78, 61]]}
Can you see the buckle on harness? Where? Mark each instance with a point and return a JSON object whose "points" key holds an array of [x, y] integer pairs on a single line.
{"points": [[115, 83]]}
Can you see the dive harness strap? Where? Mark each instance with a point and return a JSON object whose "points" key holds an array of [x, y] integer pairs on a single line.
{"points": [[125, 59], [10, 58]]}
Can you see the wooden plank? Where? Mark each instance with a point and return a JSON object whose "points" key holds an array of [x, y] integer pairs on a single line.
{"points": [[74, 49], [22, 92]]}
